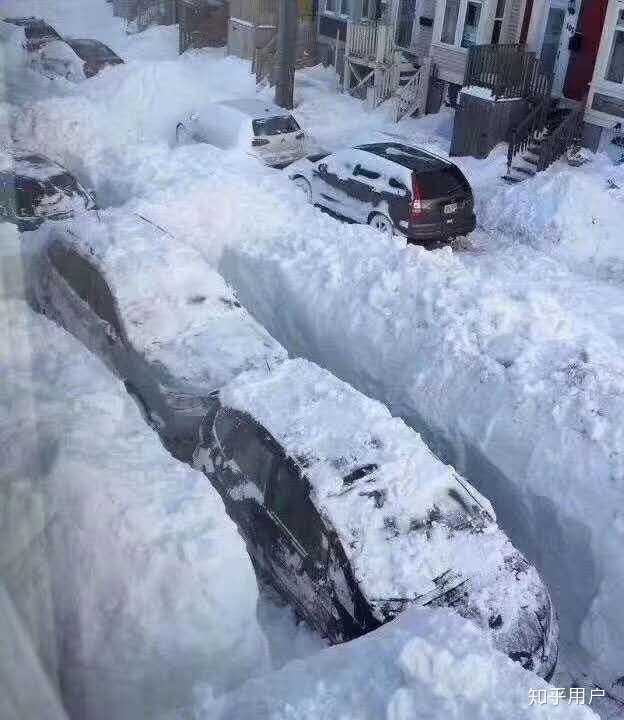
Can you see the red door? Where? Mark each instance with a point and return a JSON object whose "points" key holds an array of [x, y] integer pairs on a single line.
{"points": [[582, 60]]}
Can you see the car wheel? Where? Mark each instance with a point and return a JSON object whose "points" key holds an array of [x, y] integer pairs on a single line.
{"points": [[382, 223], [305, 186]]}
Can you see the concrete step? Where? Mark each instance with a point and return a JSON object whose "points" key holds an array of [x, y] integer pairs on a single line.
{"points": [[512, 179], [524, 170]]}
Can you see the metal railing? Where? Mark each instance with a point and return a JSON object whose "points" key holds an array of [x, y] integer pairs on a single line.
{"points": [[564, 136], [528, 131], [369, 41], [509, 71]]}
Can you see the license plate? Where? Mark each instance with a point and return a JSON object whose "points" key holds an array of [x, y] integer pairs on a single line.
{"points": [[450, 209]]}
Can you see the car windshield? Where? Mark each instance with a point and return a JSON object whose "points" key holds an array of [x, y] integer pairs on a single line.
{"points": [[275, 125]]}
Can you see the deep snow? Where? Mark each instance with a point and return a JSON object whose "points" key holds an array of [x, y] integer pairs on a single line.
{"points": [[131, 583], [505, 356], [424, 665]]}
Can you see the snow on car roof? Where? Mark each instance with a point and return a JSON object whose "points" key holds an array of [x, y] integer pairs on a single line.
{"points": [[409, 157], [175, 309], [29, 164], [255, 108], [394, 505], [88, 49]]}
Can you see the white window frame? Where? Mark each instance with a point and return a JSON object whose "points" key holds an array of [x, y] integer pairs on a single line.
{"points": [[484, 23], [337, 13], [608, 38]]}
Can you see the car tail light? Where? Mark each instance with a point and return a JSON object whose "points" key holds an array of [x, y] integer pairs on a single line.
{"points": [[259, 141], [416, 208]]}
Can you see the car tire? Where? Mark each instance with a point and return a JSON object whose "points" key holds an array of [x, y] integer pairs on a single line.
{"points": [[305, 186], [382, 223]]}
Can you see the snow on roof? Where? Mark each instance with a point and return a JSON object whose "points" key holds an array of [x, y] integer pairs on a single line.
{"points": [[255, 108], [391, 501], [174, 307], [405, 155]]}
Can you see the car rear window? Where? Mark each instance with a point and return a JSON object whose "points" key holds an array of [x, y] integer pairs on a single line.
{"points": [[65, 182], [441, 183], [28, 194], [275, 125]]}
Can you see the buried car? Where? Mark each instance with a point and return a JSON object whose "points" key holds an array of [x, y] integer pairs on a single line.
{"points": [[34, 189], [74, 59], [37, 32], [154, 310], [350, 517], [393, 187], [257, 128]]}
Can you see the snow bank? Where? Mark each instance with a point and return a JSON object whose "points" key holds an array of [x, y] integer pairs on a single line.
{"points": [[508, 364], [423, 665], [570, 214], [129, 580]]}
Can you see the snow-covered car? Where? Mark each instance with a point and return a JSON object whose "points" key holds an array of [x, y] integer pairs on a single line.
{"points": [[348, 514], [154, 310], [34, 189], [393, 187], [94, 54], [74, 59], [252, 126], [37, 32]]}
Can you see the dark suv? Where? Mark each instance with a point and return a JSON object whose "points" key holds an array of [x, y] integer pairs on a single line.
{"points": [[34, 188], [392, 187], [350, 517], [94, 54]]}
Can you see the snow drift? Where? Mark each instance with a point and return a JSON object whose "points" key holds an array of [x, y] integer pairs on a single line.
{"points": [[129, 580], [423, 665]]}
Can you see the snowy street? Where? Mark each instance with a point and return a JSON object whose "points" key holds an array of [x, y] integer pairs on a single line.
{"points": [[504, 351]]}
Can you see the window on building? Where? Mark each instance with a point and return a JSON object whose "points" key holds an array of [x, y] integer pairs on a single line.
{"points": [[339, 7], [330, 5], [615, 66], [449, 25], [471, 24], [498, 22]]}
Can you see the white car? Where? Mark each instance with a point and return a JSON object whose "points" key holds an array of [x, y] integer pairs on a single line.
{"points": [[255, 127]]}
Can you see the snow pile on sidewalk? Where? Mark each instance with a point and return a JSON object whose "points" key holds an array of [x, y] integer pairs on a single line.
{"points": [[570, 213], [423, 665], [127, 575]]}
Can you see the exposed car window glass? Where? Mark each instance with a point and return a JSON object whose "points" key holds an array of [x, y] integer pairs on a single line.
{"points": [[242, 442], [359, 170], [28, 194], [275, 126], [289, 499], [440, 183], [86, 282]]}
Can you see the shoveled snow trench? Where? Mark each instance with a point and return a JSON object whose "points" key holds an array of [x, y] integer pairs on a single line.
{"points": [[509, 365], [534, 426]]}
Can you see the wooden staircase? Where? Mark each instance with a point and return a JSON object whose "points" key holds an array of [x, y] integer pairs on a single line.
{"points": [[546, 134], [410, 97]]}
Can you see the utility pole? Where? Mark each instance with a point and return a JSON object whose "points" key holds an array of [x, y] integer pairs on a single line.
{"points": [[286, 53]]}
